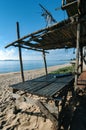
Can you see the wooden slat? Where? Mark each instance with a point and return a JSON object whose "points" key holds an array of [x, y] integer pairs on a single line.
{"points": [[34, 85], [44, 87], [51, 89], [40, 85]]}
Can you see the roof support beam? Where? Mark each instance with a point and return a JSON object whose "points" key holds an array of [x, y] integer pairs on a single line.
{"points": [[30, 48]]}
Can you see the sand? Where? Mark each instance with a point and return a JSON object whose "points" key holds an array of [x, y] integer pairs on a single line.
{"points": [[15, 113]]}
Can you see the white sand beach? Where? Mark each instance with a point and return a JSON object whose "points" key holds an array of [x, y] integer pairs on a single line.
{"points": [[16, 114]]}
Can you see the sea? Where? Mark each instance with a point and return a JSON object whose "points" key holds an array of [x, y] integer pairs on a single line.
{"points": [[7, 66]]}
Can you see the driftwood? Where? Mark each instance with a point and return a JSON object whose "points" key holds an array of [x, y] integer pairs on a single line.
{"points": [[47, 114], [45, 108]]}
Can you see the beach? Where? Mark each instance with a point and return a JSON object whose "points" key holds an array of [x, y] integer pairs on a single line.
{"points": [[15, 113]]}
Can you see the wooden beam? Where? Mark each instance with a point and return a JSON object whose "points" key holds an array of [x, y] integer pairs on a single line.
{"points": [[77, 54], [20, 53], [44, 57], [81, 54], [30, 48], [68, 4]]}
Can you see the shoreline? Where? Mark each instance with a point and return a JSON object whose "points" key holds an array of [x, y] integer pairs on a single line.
{"points": [[50, 68]]}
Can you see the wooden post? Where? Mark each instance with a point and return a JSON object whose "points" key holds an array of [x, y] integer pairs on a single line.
{"points": [[77, 54], [81, 54], [44, 57], [20, 53]]}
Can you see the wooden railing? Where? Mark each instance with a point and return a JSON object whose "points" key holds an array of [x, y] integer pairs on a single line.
{"points": [[66, 4]]}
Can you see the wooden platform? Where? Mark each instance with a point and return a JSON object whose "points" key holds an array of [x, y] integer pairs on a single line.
{"points": [[45, 86]]}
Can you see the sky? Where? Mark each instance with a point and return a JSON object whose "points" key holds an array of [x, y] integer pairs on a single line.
{"points": [[28, 14]]}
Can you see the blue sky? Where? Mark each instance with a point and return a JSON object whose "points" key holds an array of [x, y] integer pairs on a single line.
{"points": [[28, 14]]}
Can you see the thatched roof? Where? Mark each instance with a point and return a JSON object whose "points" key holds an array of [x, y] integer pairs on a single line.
{"points": [[60, 35]]}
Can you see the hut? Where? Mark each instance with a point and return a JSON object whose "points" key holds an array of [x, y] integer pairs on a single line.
{"points": [[69, 33]]}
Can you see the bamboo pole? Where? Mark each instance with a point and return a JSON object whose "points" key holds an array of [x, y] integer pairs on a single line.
{"points": [[44, 57], [20, 53], [77, 54]]}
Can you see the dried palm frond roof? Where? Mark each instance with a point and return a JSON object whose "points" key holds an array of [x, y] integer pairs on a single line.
{"points": [[59, 35]]}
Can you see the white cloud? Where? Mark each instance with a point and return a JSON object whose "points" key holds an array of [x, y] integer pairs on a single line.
{"points": [[7, 54], [33, 55]]}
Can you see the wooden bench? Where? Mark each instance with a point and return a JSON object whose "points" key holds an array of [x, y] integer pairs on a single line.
{"points": [[45, 86], [50, 87]]}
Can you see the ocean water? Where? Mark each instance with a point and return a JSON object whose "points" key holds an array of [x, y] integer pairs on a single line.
{"points": [[7, 66]]}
